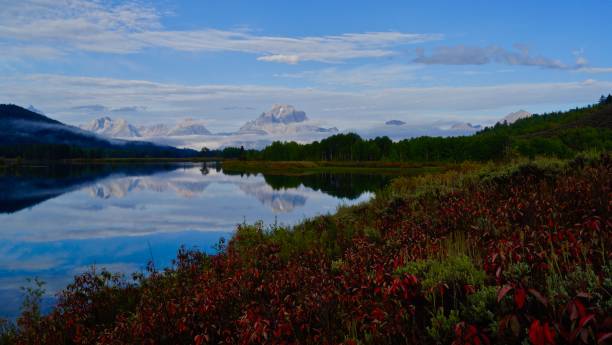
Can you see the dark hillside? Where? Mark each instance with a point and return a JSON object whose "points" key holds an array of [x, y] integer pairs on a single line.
{"points": [[26, 134], [15, 112]]}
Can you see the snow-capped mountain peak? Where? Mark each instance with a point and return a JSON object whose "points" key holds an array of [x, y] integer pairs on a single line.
{"points": [[517, 115], [108, 127], [282, 118], [283, 113], [189, 127]]}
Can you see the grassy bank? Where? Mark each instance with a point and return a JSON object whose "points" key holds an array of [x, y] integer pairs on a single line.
{"points": [[503, 254], [310, 167]]}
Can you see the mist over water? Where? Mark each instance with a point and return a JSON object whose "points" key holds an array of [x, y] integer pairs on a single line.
{"points": [[58, 221]]}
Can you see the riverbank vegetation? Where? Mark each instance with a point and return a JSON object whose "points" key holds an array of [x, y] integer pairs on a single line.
{"points": [[311, 167], [490, 254]]}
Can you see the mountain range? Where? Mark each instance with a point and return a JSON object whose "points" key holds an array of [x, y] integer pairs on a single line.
{"points": [[281, 119], [282, 122], [120, 128]]}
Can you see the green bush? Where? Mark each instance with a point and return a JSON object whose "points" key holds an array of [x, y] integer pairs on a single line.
{"points": [[441, 328], [455, 271]]}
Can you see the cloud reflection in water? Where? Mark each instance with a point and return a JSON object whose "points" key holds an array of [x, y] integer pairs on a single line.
{"points": [[58, 221]]}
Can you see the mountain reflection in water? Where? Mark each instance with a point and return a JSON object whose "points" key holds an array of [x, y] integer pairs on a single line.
{"points": [[29, 186], [57, 221]]}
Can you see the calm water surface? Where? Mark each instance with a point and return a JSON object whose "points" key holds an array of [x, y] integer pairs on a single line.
{"points": [[58, 221]]}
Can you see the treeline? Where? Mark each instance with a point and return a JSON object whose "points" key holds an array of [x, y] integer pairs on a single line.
{"points": [[559, 134], [351, 147]]}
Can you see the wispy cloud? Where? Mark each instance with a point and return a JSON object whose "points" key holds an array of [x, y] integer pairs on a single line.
{"points": [[472, 55], [367, 75], [129, 109], [595, 70], [63, 26], [98, 108]]}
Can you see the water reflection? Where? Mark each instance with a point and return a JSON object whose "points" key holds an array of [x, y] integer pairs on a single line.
{"points": [[55, 221], [30, 185]]}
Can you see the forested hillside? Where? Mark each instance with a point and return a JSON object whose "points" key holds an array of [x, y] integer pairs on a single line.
{"points": [[28, 135]]}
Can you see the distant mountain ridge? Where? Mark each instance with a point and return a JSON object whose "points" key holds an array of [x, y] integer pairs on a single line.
{"points": [[122, 129], [282, 122]]}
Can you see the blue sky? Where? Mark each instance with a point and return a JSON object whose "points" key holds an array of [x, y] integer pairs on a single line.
{"points": [[350, 64]]}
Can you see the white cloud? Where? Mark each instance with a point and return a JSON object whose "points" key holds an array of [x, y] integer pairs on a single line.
{"points": [[289, 59], [93, 26]]}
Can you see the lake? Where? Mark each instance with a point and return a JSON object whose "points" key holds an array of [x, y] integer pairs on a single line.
{"points": [[58, 221]]}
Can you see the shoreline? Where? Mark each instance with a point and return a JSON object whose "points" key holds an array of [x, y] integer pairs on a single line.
{"points": [[13, 162], [311, 167], [257, 166]]}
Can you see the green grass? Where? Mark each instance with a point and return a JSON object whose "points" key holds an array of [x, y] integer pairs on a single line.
{"points": [[312, 167]]}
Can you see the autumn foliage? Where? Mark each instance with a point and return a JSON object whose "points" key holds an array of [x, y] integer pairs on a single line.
{"points": [[522, 257]]}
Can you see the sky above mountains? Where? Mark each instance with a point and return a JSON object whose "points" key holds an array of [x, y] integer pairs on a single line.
{"points": [[348, 64]]}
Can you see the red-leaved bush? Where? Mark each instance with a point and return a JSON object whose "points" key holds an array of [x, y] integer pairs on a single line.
{"points": [[517, 258]]}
